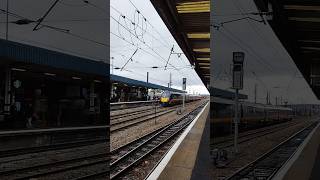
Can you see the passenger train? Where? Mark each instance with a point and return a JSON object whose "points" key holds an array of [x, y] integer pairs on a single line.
{"points": [[173, 98], [251, 116]]}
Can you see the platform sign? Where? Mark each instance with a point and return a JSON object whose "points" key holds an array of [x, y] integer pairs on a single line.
{"points": [[237, 83], [237, 80], [184, 83]]}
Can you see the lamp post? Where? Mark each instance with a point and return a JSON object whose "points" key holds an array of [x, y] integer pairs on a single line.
{"points": [[237, 83]]}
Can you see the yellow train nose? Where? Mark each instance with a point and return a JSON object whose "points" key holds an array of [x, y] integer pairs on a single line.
{"points": [[164, 99]]}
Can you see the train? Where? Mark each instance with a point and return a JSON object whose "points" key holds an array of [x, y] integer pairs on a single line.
{"points": [[252, 116], [169, 98]]}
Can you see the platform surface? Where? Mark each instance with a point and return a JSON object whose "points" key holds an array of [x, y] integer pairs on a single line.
{"points": [[191, 158]]}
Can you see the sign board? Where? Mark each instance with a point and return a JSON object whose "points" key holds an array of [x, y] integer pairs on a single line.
{"points": [[184, 83], [238, 57], [237, 80]]}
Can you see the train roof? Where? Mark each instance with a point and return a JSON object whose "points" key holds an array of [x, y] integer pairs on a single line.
{"points": [[250, 104], [227, 94], [19, 52]]}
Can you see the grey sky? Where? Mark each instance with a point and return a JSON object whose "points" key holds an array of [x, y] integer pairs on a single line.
{"points": [[81, 19], [265, 56]]}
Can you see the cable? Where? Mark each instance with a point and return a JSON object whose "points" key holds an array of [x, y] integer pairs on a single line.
{"points": [[175, 68], [139, 74], [161, 58], [57, 48], [125, 17], [245, 50], [239, 42], [56, 29], [137, 37], [266, 41], [95, 6], [142, 42], [148, 21]]}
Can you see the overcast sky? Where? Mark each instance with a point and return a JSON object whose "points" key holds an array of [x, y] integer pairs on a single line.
{"points": [[267, 63], [87, 21]]}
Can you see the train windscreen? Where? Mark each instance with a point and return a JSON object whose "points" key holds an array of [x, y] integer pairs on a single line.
{"points": [[166, 94]]}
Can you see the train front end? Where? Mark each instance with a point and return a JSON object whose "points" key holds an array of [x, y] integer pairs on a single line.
{"points": [[165, 98]]}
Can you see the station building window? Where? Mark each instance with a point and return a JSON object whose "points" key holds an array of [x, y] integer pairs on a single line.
{"points": [[47, 100]]}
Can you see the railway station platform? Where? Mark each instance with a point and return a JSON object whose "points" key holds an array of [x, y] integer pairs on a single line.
{"points": [[188, 157], [305, 163]]}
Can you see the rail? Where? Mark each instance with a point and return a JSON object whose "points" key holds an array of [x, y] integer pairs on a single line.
{"points": [[267, 165], [132, 104]]}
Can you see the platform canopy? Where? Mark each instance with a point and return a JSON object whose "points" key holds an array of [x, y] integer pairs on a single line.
{"points": [[297, 25], [134, 82], [188, 21], [13, 52]]}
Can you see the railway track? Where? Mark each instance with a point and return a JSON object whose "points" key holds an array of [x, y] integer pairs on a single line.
{"points": [[131, 113], [133, 116], [267, 165], [121, 114], [71, 166], [29, 150], [126, 157], [137, 119], [252, 135]]}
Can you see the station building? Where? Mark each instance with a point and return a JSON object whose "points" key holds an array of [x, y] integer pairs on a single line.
{"points": [[40, 88]]}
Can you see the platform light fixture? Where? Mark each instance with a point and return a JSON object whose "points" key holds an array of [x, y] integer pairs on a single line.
{"points": [[203, 59], [204, 67], [49, 74], [18, 69], [198, 35], [76, 78], [193, 7], [202, 50]]}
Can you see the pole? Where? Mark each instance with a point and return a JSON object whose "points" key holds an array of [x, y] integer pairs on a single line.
{"points": [[236, 120], [147, 77], [255, 93], [155, 113], [183, 101], [170, 80], [112, 65], [7, 20]]}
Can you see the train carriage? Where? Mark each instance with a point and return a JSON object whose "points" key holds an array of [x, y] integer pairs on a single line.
{"points": [[173, 98], [251, 115]]}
